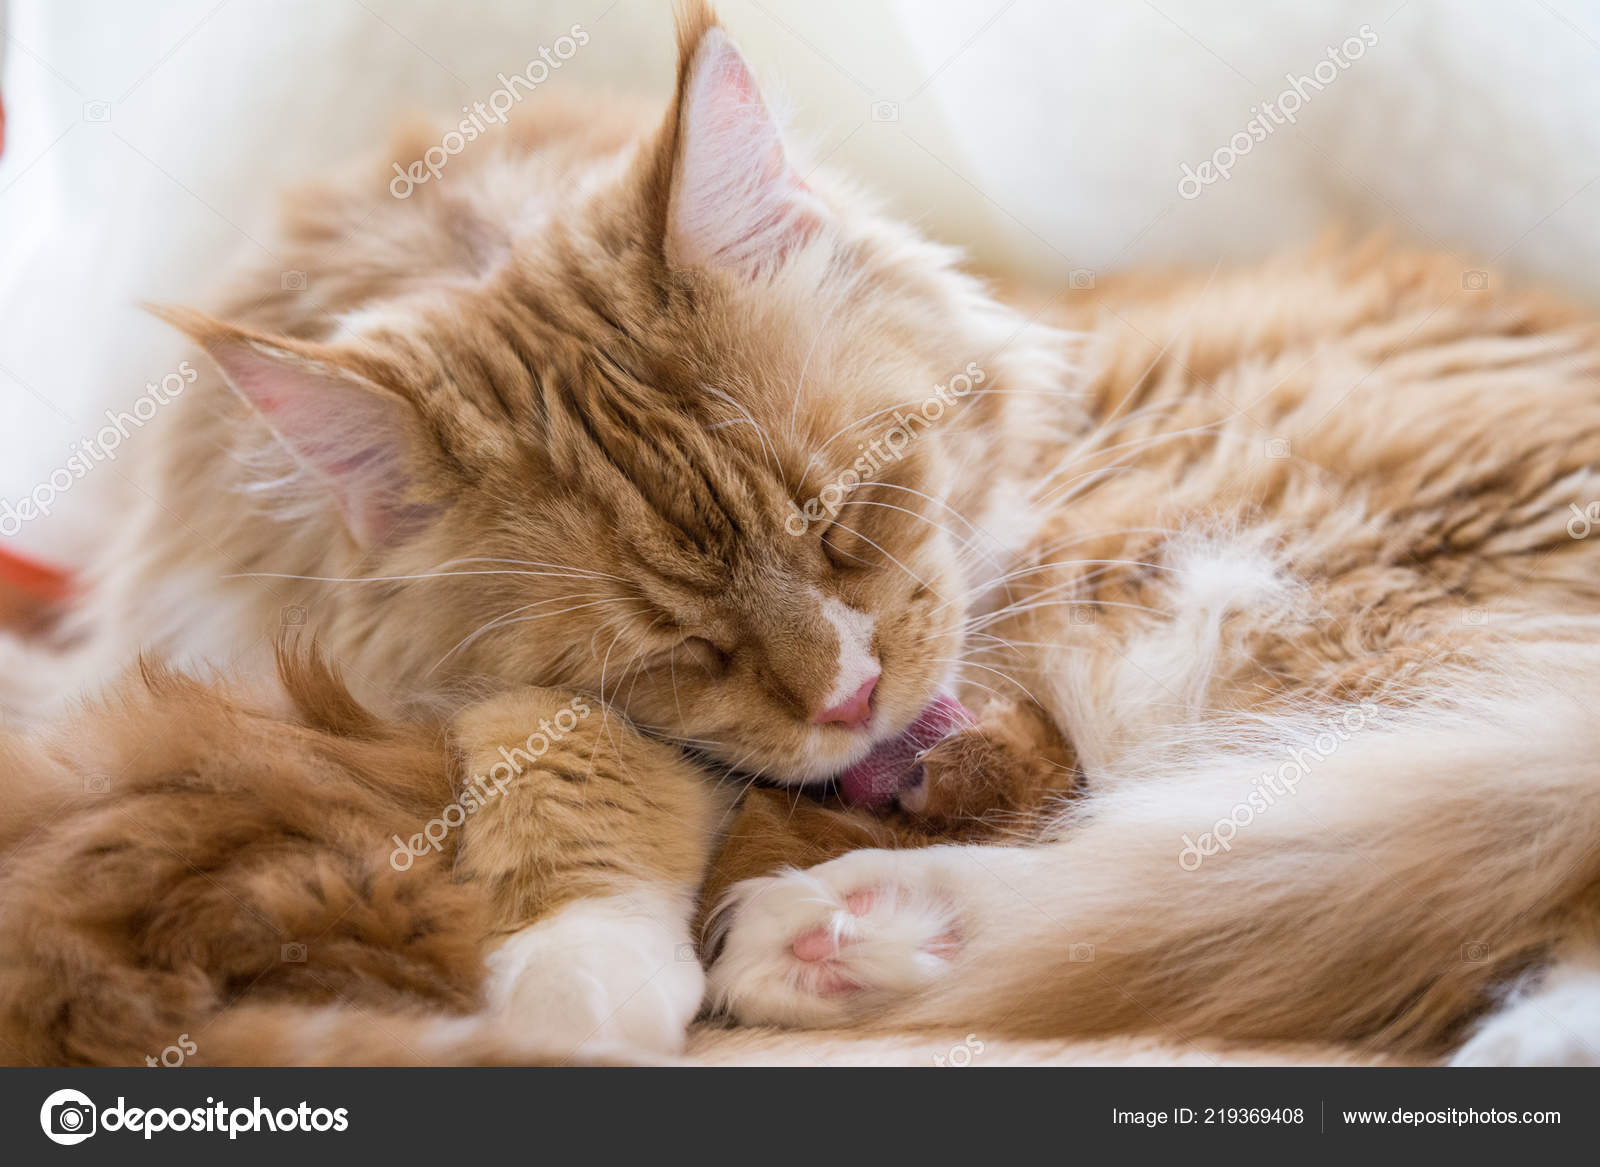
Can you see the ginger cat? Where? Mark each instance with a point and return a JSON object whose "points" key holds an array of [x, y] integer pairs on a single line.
{"points": [[652, 413]]}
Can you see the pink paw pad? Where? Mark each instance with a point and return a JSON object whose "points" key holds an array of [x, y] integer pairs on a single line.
{"points": [[821, 943], [817, 944], [819, 948]]}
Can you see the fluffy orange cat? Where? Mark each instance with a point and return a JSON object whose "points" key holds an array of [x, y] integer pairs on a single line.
{"points": [[1275, 569], [193, 867]]}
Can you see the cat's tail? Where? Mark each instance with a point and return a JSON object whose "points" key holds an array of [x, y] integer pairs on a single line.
{"points": [[1372, 875], [345, 1035], [34, 786]]}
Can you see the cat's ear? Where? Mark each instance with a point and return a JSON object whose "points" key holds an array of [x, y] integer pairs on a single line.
{"points": [[734, 201], [351, 433]]}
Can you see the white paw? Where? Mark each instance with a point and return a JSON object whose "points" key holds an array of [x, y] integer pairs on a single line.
{"points": [[601, 972], [1556, 1024], [817, 947]]}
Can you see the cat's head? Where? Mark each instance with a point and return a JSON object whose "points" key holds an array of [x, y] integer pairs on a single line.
{"points": [[706, 435]]}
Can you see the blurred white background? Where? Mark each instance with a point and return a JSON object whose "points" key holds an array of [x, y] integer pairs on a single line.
{"points": [[146, 141]]}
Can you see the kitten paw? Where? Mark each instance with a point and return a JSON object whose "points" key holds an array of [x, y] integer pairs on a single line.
{"points": [[1556, 1024], [818, 947], [600, 972]]}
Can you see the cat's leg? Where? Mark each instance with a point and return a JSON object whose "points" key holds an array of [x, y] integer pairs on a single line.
{"points": [[779, 829], [995, 775], [591, 841], [1553, 1021], [1266, 894], [863, 932]]}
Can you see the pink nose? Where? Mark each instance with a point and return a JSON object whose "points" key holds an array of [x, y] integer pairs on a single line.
{"points": [[853, 712]]}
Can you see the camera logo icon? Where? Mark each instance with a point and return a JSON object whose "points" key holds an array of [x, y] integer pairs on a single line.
{"points": [[68, 1117], [885, 111]]}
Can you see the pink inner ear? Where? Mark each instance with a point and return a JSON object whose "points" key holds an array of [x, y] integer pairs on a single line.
{"points": [[737, 204], [350, 434]]}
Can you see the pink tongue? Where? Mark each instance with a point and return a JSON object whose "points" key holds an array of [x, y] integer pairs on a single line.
{"points": [[892, 766]]}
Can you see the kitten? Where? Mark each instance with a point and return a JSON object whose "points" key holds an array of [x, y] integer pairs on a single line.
{"points": [[187, 867], [659, 415]]}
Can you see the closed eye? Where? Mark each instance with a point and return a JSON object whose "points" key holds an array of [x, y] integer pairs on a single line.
{"points": [[706, 652], [691, 651], [843, 545]]}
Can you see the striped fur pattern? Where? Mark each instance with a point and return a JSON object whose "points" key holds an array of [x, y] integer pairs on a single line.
{"points": [[196, 868], [623, 406]]}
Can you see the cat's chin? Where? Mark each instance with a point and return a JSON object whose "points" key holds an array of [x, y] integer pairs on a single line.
{"points": [[894, 765]]}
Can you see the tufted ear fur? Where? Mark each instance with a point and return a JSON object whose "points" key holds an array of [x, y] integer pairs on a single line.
{"points": [[734, 201], [350, 432]]}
